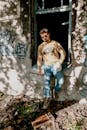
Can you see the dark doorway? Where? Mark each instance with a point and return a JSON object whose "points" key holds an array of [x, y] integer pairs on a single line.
{"points": [[57, 23], [57, 17]]}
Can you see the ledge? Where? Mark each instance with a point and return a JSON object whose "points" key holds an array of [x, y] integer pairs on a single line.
{"points": [[53, 10]]}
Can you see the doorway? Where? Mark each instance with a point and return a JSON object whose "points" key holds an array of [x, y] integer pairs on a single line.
{"points": [[56, 16], [57, 23]]}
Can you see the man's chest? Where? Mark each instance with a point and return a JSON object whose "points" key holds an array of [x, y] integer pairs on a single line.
{"points": [[49, 48]]}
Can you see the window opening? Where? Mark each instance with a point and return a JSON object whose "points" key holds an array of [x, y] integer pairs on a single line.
{"points": [[44, 4], [56, 16]]}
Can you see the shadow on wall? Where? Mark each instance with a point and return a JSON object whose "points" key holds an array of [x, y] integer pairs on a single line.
{"points": [[14, 65], [76, 80]]}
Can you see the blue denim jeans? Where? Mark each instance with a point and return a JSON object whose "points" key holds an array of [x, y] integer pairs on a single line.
{"points": [[48, 72]]}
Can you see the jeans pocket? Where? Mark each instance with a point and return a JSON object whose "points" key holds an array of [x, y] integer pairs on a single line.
{"points": [[57, 67]]}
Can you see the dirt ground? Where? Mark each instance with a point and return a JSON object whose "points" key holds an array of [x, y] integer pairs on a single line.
{"points": [[19, 112]]}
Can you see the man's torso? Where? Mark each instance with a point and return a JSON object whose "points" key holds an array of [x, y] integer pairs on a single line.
{"points": [[50, 52]]}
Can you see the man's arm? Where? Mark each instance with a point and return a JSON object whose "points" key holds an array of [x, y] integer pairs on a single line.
{"points": [[62, 53]]}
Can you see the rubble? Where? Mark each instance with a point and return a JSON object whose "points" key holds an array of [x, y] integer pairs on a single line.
{"points": [[20, 113]]}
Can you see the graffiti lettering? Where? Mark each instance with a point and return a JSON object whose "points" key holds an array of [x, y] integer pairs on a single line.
{"points": [[20, 50], [7, 47]]}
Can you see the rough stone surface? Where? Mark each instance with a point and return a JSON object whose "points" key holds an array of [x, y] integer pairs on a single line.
{"points": [[19, 112], [73, 117]]}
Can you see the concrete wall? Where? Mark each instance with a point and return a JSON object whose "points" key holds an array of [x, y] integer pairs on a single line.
{"points": [[14, 47], [16, 74]]}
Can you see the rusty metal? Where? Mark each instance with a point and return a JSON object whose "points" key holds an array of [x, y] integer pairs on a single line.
{"points": [[45, 122]]}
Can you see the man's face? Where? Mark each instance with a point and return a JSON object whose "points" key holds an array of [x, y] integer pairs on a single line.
{"points": [[45, 37]]}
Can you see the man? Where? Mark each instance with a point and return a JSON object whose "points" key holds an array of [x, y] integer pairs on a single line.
{"points": [[51, 55]]}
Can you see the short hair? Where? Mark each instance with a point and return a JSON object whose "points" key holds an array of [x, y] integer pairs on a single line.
{"points": [[44, 30]]}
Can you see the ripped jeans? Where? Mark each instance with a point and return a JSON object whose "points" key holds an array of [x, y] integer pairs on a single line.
{"points": [[48, 72]]}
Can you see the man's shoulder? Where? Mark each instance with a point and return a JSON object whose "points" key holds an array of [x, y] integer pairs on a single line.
{"points": [[55, 42], [41, 45]]}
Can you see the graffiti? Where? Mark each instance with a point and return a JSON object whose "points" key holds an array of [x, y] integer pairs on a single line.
{"points": [[6, 40], [20, 50], [7, 47], [6, 50]]}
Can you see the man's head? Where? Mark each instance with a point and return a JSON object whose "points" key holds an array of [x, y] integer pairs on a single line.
{"points": [[45, 35]]}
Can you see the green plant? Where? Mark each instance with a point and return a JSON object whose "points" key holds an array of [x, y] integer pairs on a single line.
{"points": [[76, 127]]}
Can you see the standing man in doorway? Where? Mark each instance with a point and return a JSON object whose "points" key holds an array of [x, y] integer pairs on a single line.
{"points": [[51, 55]]}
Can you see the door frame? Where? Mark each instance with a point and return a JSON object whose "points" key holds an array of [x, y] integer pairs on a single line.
{"points": [[45, 11]]}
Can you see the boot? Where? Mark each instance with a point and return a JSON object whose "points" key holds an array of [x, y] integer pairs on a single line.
{"points": [[56, 96], [47, 101]]}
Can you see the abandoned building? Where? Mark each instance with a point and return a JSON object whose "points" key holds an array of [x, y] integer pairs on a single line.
{"points": [[20, 23]]}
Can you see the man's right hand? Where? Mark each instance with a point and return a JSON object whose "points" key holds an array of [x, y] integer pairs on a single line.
{"points": [[40, 71]]}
